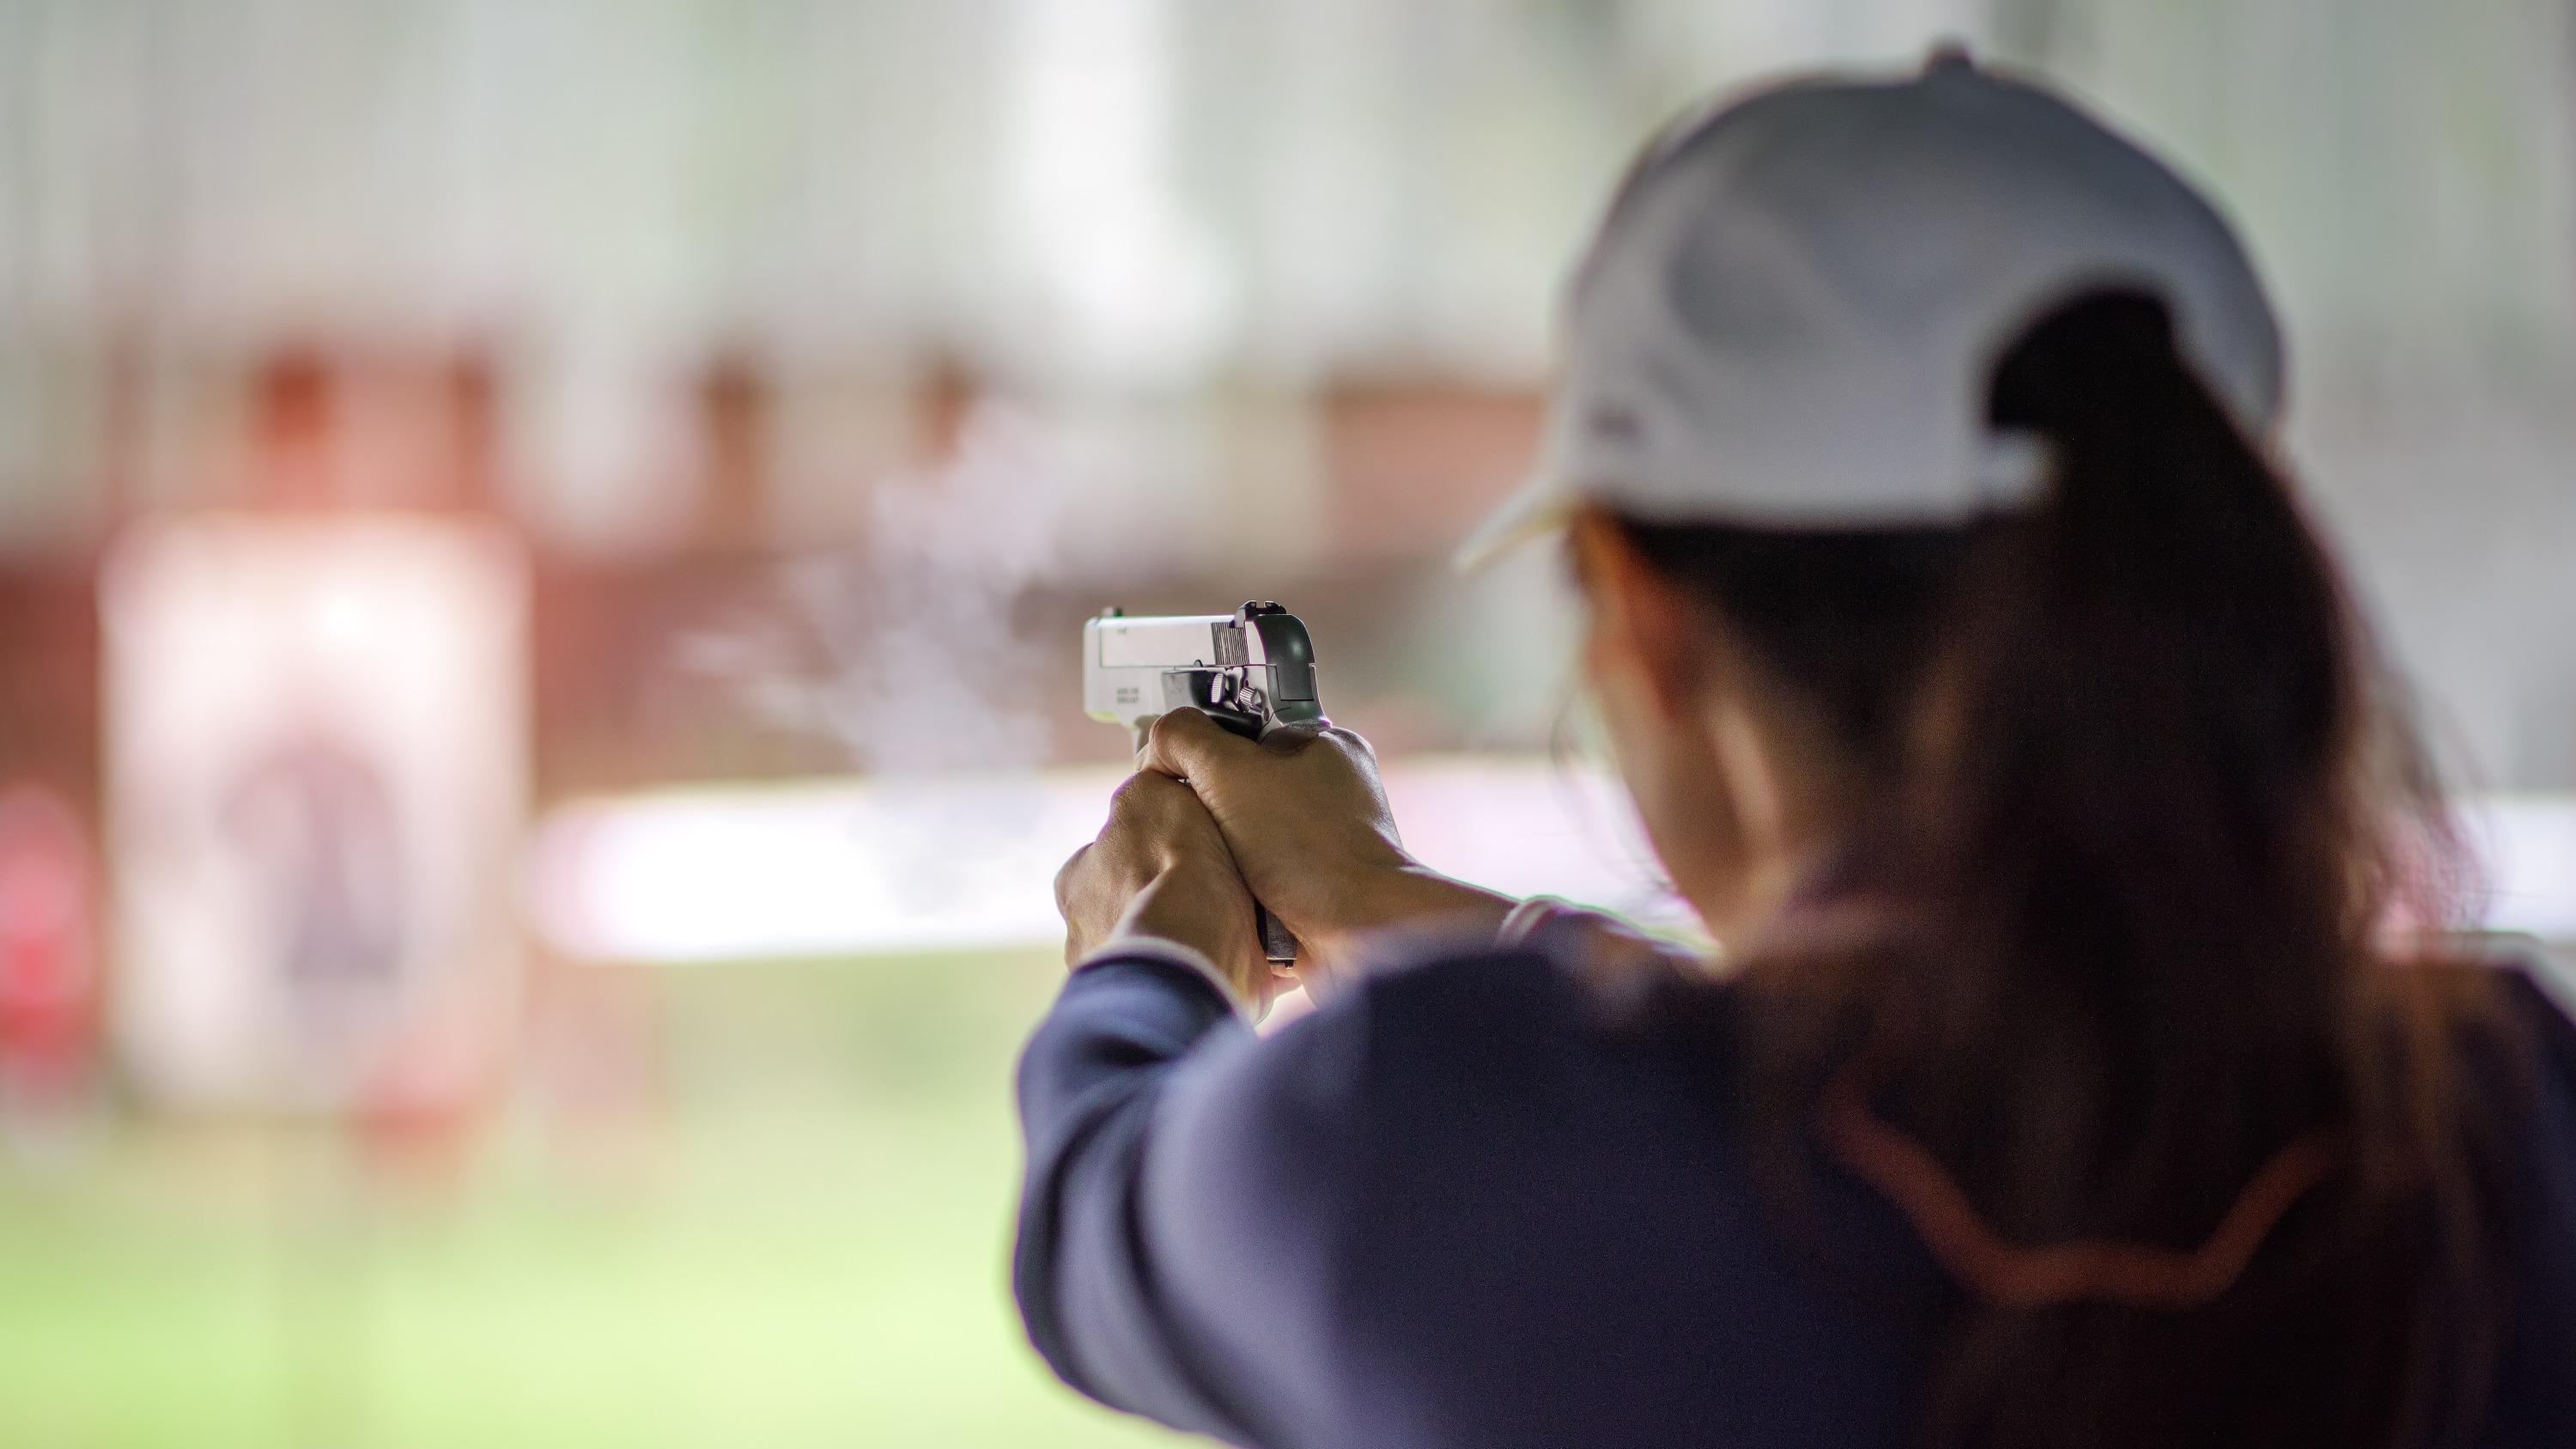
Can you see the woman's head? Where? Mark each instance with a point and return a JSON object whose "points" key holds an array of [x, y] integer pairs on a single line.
{"points": [[2152, 660], [1781, 384]]}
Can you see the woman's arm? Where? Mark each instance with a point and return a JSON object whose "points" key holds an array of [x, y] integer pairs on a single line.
{"points": [[1186, 1197], [1081, 1269], [1169, 1152]]}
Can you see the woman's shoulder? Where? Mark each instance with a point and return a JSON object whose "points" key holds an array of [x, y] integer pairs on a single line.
{"points": [[1547, 953], [1546, 1005]]}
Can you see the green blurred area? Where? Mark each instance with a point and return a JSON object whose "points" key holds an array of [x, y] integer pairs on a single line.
{"points": [[797, 1236]]}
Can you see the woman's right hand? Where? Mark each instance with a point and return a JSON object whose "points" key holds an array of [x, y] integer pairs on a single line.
{"points": [[1306, 819]]}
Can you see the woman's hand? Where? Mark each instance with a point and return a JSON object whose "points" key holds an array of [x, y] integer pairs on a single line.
{"points": [[1160, 869], [1306, 823]]}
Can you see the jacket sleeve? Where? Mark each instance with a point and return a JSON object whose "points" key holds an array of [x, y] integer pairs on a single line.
{"points": [[1186, 1198]]}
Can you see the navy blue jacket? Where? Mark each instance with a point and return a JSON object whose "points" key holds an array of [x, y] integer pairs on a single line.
{"points": [[1451, 1208]]}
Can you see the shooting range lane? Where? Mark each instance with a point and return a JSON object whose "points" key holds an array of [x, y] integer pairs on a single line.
{"points": [[968, 862]]}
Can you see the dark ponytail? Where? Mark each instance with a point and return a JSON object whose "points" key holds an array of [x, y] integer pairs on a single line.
{"points": [[2121, 1043]]}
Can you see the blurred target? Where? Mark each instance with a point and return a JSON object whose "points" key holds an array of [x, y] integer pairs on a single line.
{"points": [[316, 782]]}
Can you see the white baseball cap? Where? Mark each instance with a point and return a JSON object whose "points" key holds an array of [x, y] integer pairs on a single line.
{"points": [[1791, 315]]}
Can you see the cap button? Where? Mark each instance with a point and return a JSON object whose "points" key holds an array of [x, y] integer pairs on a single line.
{"points": [[1949, 53]]}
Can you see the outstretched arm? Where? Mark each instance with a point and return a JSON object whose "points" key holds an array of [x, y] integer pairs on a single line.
{"points": [[1186, 1197], [1160, 1227]]}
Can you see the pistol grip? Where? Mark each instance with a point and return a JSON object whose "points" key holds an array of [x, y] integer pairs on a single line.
{"points": [[1278, 944]]}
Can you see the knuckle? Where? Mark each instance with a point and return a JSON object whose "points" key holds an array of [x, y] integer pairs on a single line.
{"points": [[1289, 739], [1174, 727], [1064, 877], [1143, 796]]}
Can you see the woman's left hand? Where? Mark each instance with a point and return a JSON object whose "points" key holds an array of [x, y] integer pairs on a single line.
{"points": [[1160, 869]]}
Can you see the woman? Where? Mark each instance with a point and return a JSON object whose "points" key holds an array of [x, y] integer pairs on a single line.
{"points": [[2063, 1078]]}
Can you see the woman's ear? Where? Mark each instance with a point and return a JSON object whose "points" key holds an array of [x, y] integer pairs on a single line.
{"points": [[1641, 625]]}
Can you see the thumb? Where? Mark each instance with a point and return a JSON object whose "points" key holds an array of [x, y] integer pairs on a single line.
{"points": [[1185, 744]]}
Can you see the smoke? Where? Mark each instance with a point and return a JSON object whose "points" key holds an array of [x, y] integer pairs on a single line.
{"points": [[904, 649]]}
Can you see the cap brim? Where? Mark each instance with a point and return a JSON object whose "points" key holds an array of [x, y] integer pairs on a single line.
{"points": [[1542, 506]]}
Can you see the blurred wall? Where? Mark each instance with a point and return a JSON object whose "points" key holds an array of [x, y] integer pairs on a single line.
{"points": [[1222, 253]]}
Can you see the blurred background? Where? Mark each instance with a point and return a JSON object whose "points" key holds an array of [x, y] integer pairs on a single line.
{"points": [[542, 544]]}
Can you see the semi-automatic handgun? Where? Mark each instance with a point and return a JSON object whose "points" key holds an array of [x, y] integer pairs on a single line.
{"points": [[1252, 671]]}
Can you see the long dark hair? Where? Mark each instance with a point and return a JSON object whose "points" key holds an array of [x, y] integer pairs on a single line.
{"points": [[2105, 1007]]}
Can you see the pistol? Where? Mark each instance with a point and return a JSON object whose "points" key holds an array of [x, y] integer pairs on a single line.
{"points": [[1252, 671]]}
